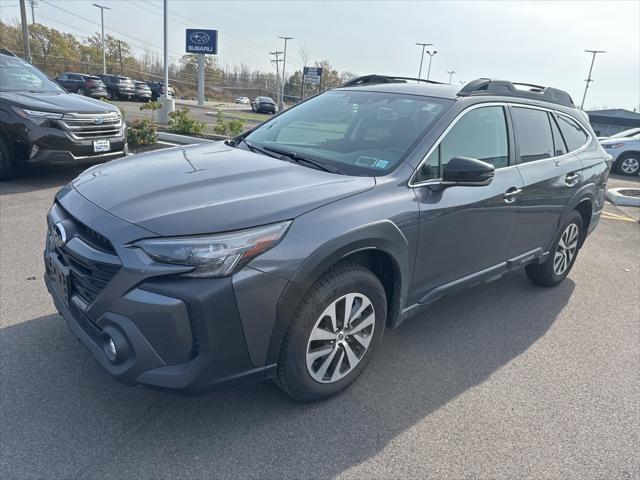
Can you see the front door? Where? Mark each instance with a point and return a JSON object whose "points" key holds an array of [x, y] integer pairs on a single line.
{"points": [[465, 231]]}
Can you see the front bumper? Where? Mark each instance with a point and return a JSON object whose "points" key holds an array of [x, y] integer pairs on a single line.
{"points": [[183, 334]]}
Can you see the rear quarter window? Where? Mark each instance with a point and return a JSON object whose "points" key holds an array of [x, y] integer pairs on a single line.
{"points": [[574, 135]]}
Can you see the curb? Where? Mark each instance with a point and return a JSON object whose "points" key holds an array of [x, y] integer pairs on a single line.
{"points": [[615, 195]]}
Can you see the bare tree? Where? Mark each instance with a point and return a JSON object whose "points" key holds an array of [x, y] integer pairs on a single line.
{"points": [[304, 52]]}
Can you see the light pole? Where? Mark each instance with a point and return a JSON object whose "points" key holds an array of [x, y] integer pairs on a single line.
{"points": [[588, 80], [431, 54], [423, 45], [284, 64], [104, 58], [168, 104], [450, 72], [25, 31]]}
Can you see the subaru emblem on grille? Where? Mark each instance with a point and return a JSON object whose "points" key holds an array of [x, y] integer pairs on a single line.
{"points": [[59, 235], [98, 120]]}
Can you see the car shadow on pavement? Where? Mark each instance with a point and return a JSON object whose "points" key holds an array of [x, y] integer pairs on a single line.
{"points": [[63, 416], [40, 178]]}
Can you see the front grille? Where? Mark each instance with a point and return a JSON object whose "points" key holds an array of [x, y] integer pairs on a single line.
{"points": [[82, 126], [89, 276]]}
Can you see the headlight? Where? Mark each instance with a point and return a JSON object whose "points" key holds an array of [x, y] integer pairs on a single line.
{"points": [[615, 145], [217, 255], [37, 117]]}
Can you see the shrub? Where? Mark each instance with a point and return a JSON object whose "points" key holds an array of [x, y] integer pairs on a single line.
{"points": [[153, 106], [228, 128], [142, 132], [181, 123], [221, 127]]}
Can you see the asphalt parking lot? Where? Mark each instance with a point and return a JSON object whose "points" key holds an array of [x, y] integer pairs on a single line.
{"points": [[506, 380]]}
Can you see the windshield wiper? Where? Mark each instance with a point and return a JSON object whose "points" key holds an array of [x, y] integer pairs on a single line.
{"points": [[253, 148], [295, 157]]}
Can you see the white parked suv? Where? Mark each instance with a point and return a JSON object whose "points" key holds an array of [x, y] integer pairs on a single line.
{"points": [[625, 151]]}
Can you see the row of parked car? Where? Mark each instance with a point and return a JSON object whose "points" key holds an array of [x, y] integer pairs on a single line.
{"points": [[113, 87]]}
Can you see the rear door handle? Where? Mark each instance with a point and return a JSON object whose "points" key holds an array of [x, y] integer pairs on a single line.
{"points": [[571, 179], [510, 195]]}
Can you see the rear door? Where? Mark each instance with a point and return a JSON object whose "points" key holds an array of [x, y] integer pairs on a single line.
{"points": [[465, 231], [551, 176]]}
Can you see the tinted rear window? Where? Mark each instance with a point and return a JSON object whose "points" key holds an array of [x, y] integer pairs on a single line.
{"points": [[533, 132], [573, 133]]}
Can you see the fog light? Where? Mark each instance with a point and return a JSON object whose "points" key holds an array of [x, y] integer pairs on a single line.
{"points": [[34, 150], [114, 345]]}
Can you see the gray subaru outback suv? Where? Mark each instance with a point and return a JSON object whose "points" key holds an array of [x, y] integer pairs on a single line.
{"points": [[286, 252]]}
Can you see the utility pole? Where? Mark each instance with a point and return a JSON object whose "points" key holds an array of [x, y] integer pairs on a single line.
{"points": [[25, 31], [168, 104], [589, 80], [32, 4], [277, 60], [450, 72], [431, 55], [423, 45], [284, 63], [104, 55]]}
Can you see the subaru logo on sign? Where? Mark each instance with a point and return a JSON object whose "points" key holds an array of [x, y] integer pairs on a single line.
{"points": [[59, 235], [98, 120], [202, 41], [200, 37]]}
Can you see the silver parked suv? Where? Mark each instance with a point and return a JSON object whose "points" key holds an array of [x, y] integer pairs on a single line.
{"points": [[286, 252]]}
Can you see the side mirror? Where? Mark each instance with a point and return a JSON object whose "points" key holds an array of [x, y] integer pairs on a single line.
{"points": [[469, 172]]}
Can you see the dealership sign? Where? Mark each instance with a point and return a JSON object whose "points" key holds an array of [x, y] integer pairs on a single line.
{"points": [[312, 75], [202, 41]]}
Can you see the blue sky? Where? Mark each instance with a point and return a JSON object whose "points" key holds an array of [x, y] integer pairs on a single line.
{"points": [[536, 42]]}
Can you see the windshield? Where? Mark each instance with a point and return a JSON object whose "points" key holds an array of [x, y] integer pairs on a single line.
{"points": [[626, 133], [358, 132], [16, 75]]}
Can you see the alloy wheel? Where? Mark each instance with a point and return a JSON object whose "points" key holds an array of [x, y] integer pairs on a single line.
{"points": [[566, 250], [340, 338], [630, 165]]}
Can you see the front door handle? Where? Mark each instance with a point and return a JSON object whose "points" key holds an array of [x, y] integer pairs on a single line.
{"points": [[571, 179], [511, 194]]}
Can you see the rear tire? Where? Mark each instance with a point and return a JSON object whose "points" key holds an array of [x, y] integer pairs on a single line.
{"points": [[562, 254], [320, 355]]}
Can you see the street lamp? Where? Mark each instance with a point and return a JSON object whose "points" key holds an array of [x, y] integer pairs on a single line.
{"points": [[104, 58], [588, 80], [431, 54], [423, 45], [284, 64], [450, 72]]}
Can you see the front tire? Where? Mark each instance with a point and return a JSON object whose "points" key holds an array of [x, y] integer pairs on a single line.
{"points": [[333, 334], [562, 255], [629, 164]]}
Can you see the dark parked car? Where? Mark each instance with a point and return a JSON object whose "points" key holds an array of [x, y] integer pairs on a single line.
{"points": [[286, 252], [40, 123], [118, 87], [88, 85], [157, 90], [142, 91], [263, 105]]}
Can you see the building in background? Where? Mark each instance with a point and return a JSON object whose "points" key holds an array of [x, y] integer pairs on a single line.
{"points": [[608, 122]]}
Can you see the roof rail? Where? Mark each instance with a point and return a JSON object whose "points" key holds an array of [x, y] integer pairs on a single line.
{"points": [[374, 79], [487, 86], [4, 51]]}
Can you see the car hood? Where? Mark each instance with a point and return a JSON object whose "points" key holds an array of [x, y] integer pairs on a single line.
{"points": [[614, 141], [210, 188], [57, 102]]}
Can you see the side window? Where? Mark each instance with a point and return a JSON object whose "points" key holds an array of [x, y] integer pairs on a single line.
{"points": [[573, 133], [558, 143], [480, 134], [62, 77], [533, 134]]}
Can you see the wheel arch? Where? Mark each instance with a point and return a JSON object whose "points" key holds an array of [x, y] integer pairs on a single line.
{"points": [[381, 247]]}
